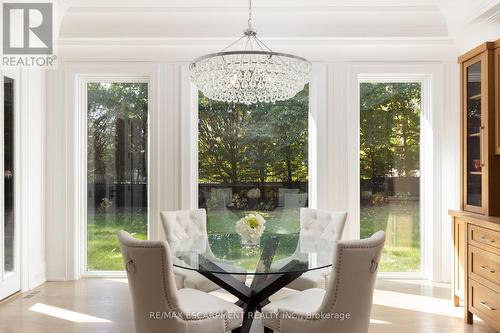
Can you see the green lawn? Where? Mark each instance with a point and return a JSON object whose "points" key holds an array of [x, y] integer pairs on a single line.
{"points": [[399, 220], [103, 249]]}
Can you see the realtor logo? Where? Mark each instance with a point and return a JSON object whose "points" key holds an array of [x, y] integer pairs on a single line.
{"points": [[27, 28], [27, 37]]}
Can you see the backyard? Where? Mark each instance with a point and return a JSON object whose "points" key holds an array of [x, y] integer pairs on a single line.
{"points": [[103, 251], [399, 220]]}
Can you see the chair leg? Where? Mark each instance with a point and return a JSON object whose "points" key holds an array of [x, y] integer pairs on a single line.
{"points": [[267, 330]]}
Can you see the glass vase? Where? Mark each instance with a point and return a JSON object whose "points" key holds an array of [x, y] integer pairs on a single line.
{"points": [[250, 242]]}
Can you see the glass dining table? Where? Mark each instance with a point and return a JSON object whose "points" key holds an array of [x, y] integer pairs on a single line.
{"points": [[277, 261]]}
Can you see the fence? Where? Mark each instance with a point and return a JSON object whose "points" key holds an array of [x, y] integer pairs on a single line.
{"points": [[120, 195], [269, 192], [135, 195]]}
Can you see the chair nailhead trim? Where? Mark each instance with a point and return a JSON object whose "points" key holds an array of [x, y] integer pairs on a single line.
{"points": [[165, 294], [337, 278]]}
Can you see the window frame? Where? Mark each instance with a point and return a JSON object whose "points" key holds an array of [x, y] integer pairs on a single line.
{"points": [[429, 76], [81, 80]]}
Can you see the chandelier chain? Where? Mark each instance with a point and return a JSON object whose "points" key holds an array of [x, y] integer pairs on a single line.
{"points": [[252, 74], [250, 27]]}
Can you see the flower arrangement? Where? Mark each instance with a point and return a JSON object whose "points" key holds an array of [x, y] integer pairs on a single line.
{"points": [[250, 228]]}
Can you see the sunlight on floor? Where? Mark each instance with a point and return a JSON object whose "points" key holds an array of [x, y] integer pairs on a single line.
{"points": [[117, 280], [411, 295], [283, 293], [75, 317], [418, 303], [379, 322]]}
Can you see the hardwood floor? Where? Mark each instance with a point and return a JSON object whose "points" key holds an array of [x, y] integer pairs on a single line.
{"points": [[103, 306]]}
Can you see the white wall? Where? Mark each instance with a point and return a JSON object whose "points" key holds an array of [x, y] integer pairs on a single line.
{"points": [[32, 177], [56, 177]]}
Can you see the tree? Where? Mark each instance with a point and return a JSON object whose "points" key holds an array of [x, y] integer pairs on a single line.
{"points": [[117, 131], [389, 130], [256, 143]]}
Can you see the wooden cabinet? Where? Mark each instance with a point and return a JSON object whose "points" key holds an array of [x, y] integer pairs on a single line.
{"points": [[497, 94], [459, 253], [476, 228], [480, 162], [476, 266]]}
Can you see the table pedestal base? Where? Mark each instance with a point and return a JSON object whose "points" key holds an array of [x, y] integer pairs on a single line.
{"points": [[264, 284], [253, 298]]}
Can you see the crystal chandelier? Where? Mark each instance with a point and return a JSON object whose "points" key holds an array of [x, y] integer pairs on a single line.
{"points": [[250, 74]]}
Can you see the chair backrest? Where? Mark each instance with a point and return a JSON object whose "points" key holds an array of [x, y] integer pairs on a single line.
{"points": [[323, 224], [184, 224], [151, 283], [350, 291]]}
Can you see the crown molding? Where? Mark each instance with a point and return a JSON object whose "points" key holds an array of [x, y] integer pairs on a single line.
{"points": [[239, 9], [494, 19], [219, 4], [484, 9], [152, 41]]}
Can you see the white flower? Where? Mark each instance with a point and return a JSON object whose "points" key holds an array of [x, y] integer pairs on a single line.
{"points": [[251, 226]]}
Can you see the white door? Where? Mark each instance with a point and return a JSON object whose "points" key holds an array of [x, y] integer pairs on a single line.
{"points": [[10, 275]]}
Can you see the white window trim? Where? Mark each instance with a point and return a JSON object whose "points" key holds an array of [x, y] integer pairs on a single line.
{"points": [[77, 78], [430, 76], [188, 142]]}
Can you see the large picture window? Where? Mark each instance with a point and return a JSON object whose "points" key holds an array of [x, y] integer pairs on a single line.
{"points": [[117, 169], [253, 159], [390, 117]]}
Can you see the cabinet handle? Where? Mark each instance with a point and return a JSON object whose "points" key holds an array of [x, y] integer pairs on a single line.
{"points": [[481, 149], [487, 306], [486, 268], [487, 239]]}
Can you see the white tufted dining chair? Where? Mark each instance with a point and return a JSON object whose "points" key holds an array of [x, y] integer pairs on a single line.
{"points": [[349, 293], [318, 224], [158, 306], [189, 224]]}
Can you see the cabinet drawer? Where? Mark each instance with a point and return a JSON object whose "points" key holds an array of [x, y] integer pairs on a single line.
{"points": [[485, 303], [484, 238], [486, 265]]}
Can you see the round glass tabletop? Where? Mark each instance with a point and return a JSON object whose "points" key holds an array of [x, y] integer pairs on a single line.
{"points": [[276, 254]]}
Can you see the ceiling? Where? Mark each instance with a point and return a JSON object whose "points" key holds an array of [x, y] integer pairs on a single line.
{"points": [[280, 22], [291, 19]]}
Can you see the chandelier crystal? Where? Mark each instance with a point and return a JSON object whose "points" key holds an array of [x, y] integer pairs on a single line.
{"points": [[250, 74]]}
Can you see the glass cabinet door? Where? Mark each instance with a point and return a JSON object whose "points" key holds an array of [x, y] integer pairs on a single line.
{"points": [[474, 162]]}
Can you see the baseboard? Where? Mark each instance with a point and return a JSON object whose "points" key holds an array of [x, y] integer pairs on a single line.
{"points": [[11, 297], [56, 279]]}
